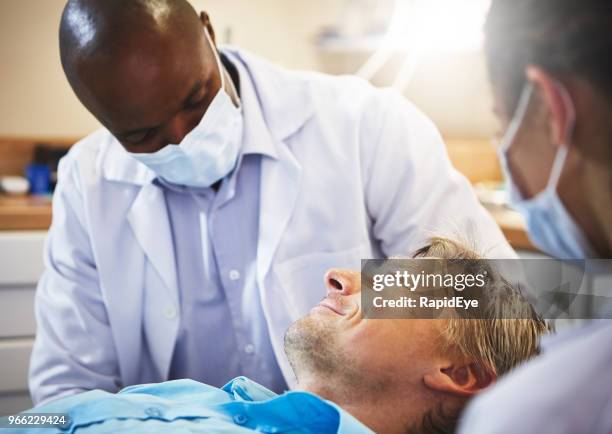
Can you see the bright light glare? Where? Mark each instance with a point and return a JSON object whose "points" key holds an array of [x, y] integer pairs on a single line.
{"points": [[437, 25]]}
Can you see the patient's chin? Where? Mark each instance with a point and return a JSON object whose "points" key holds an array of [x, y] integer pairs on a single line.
{"points": [[311, 348]]}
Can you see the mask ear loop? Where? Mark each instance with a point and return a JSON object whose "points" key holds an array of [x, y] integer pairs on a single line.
{"points": [[561, 156], [220, 65], [517, 119]]}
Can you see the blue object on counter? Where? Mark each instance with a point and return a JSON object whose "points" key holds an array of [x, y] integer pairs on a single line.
{"points": [[39, 176]]}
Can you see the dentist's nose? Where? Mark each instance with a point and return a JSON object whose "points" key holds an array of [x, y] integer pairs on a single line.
{"points": [[346, 282]]}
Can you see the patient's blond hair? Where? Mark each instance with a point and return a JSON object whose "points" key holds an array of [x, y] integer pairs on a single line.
{"points": [[495, 342], [507, 331]]}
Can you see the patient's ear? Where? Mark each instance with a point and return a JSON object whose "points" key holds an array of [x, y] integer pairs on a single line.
{"points": [[462, 379]]}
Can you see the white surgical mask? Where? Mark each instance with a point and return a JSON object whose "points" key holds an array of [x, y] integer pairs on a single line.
{"points": [[550, 226], [210, 151]]}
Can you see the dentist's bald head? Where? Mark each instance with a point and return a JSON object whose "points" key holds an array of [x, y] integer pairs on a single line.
{"points": [[94, 28], [143, 68]]}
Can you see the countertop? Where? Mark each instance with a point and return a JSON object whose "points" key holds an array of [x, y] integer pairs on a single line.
{"points": [[34, 213], [513, 226], [18, 213]]}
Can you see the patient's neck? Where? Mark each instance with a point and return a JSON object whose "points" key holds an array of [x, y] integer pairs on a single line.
{"points": [[377, 410]]}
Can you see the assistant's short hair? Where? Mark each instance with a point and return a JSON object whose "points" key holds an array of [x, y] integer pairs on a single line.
{"points": [[565, 37], [496, 341]]}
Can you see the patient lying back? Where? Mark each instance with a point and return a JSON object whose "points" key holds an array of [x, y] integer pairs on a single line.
{"points": [[354, 375]]}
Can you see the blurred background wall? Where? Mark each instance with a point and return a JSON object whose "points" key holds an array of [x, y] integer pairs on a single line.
{"points": [[36, 100]]}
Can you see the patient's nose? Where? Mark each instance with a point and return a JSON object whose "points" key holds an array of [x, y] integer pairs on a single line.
{"points": [[346, 282]]}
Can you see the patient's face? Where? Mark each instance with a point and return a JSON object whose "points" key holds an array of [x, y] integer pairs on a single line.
{"points": [[334, 339]]}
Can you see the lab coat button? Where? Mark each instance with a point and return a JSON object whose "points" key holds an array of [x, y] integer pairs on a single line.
{"points": [[249, 348], [240, 419], [234, 275], [170, 312]]}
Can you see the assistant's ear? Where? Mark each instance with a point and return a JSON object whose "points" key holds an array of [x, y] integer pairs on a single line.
{"points": [[558, 103], [205, 19], [460, 379]]}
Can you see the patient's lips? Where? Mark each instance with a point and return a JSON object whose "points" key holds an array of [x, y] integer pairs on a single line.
{"points": [[331, 304]]}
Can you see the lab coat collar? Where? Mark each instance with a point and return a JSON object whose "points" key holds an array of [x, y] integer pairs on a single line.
{"points": [[256, 138], [282, 95], [277, 104], [117, 165]]}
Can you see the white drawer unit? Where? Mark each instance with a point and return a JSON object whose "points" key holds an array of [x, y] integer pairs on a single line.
{"points": [[21, 265], [21, 257], [14, 403], [15, 356], [17, 317]]}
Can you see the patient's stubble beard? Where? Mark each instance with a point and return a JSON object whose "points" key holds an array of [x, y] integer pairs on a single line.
{"points": [[309, 347], [317, 359]]}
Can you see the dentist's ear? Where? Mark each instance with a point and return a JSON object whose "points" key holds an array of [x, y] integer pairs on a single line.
{"points": [[459, 379], [558, 103]]}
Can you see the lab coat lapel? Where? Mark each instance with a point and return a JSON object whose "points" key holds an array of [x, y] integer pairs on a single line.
{"points": [[148, 218], [280, 185], [277, 95], [283, 105]]}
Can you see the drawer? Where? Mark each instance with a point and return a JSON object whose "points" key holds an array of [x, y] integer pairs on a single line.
{"points": [[15, 361], [21, 257], [17, 311]]}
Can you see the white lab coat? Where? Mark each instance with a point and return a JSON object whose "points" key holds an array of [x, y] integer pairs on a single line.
{"points": [[567, 390], [360, 172]]}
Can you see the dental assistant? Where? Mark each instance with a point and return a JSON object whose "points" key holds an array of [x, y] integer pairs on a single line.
{"points": [[552, 78], [194, 228]]}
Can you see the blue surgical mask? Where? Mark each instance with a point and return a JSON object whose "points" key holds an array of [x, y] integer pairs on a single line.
{"points": [[550, 226], [210, 151]]}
